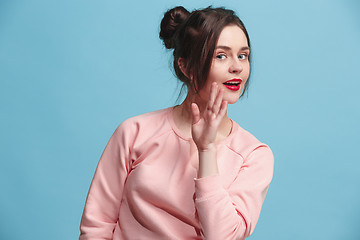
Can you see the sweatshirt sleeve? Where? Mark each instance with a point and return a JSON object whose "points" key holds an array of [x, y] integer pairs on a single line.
{"points": [[102, 205], [233, 213]]}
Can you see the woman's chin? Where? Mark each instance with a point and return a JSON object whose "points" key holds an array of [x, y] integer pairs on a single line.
{"points": [[231, 99]]}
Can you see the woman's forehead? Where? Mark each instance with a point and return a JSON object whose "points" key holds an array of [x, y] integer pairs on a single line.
{"points": [[232, 36]]}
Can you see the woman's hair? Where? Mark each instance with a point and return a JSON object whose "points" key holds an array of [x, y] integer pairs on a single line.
{"points": [[193, 37]]}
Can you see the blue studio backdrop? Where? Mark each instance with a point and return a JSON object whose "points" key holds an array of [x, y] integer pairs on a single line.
{"points": [[72, 71]]}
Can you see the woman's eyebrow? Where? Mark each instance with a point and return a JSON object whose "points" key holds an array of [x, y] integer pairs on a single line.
{"points": [[229, 48]]}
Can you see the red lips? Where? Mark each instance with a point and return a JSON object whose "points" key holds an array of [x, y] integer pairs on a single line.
{"points": [[233, 84]]}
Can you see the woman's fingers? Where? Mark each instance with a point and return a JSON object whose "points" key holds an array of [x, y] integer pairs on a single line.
{"points": [[218, 101], [223, 109], [205, 124], [195, 113], [215, 100], [213, 93]]}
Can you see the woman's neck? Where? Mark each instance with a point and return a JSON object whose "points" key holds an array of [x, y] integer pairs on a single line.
{"points": [[183, 117]]}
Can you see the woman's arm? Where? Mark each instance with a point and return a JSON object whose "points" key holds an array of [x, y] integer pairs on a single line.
{"points": [[204, 130], [232, 213], [102, 206], [227, 213]]}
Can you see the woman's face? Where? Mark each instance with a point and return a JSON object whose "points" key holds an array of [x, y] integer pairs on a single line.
{"points": [[230, 65]]}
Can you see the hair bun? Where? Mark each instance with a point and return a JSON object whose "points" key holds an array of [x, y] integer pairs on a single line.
{"points": [[170, 23]]}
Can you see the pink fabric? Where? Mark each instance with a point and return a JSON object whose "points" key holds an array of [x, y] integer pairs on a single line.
{"points": [[145, 185]]}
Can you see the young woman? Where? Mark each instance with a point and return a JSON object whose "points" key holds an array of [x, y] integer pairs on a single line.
{"points": [[189, 171]]}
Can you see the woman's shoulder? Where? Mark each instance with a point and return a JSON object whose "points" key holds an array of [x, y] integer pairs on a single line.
{"points": [[146, 123], [148, 118], [243, 142]]}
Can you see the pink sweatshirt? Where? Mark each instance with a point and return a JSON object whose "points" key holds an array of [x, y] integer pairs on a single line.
{"points": [[145, 185]]}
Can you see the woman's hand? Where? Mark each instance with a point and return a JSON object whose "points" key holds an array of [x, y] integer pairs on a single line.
{"points": [[205, 125]]}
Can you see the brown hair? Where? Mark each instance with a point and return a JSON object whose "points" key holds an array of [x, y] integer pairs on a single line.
{"points": [[193, 37]]}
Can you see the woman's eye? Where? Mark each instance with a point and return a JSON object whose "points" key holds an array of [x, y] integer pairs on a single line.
{"points": [[242, 56], [220, 56]]}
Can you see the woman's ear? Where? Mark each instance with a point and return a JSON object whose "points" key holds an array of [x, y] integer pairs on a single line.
{"points": [[183, 68]]}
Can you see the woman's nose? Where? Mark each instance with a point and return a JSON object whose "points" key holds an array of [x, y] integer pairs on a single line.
{"points": [[235, 66]]}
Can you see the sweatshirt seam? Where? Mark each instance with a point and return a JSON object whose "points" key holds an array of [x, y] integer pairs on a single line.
{"points": [[253, 148], [233, 150], [211, 195]]}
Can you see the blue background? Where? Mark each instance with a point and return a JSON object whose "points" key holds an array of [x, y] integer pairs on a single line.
{"points": [[71, 71]]}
